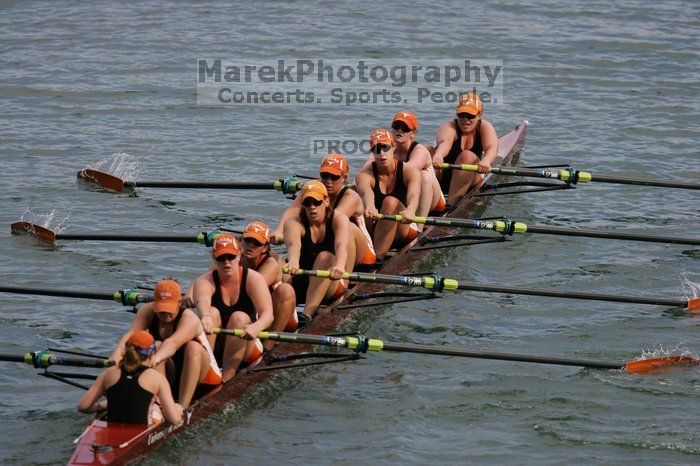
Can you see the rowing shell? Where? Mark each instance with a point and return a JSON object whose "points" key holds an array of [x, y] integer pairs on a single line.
{"points": [[106, 443]]}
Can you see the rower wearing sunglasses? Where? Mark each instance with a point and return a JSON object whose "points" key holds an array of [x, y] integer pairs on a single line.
{"points": [[318, 238], [334, 174], [404, 129], [256, 255], [183, 352], [233, 297], [467, 139], [389, 186]]}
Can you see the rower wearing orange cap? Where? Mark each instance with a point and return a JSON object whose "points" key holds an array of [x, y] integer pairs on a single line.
{"points": [[256, 255], [404, 129], [467, 139], [334, 173], [318, 238], [183, 344], [234, 297], [389, 186], [132, 387]]}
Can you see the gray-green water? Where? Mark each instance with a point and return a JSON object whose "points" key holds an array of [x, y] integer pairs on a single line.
{"points": [[610, 87]]}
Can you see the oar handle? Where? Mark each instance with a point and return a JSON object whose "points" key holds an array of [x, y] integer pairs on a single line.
{"points": [[44, 359]]}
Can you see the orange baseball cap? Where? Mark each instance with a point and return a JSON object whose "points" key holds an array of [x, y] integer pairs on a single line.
{"points": [[225, 244], [258, 231], [381, 136], [470, 103], [315, 189], [143, 341], [334, 164], [409, 118], [167, 296]]}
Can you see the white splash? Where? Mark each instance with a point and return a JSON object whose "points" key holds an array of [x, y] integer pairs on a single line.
{"points": [[121, 165], [49, 221], [689, 286], [660, 352]]}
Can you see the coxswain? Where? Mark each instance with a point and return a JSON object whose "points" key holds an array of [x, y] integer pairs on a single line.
{"points": [[318, 238], [467, 139], [183, 350], [234, 297], [389, 186], [334, 174], [132, 388], [404, 129]]}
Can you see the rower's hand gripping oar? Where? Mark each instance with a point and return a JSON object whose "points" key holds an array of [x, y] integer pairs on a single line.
{"points": [[107, 181], [571, 176], [436, 283], [361, 343], [128, 297], [44, 359], [509, 227], [48, 236]]}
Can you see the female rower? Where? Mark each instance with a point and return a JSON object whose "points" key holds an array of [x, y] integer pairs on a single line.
{"points": [[404, 129], [318, 238], [183, 350], [334, 174], [234, 297], [467, 139], [389, 186], [132, 387]]}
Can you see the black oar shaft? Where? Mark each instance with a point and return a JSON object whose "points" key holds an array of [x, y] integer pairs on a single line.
{"points": [[547, 230], [572, 294], [197, 185], [423, 349], [43, 359], [53, 292], [644, 182], [153, 238]]}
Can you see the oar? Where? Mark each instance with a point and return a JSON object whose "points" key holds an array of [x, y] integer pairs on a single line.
{"points": [[575, 176], [362, 344], [508, 227], [45, 359], [286, 186], [130, 297], [438, 283]]}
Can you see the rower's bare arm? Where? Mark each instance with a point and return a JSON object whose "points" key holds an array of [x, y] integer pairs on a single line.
{"points": [[341, 230], [292, 238], [413, 181], [88, 403], [270, 271], [420, 158], [489, 141], [262, 301], [291, 212], [443, 142], [350, 204], [202, 292], [141, 321], [171, 410], [187, 330], [363, 181]]}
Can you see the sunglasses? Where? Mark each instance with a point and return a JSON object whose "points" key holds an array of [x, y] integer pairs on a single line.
{"points": [[330, 176], [466, 116], [379, 148], [309, 201], [252, 242], [400, 126], [226, 257]]}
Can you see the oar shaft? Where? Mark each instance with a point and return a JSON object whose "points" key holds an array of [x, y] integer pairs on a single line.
{"points": [[197, 185], [44, 359], [547, 230], [644, 182], [147, 238], [62, 293]]}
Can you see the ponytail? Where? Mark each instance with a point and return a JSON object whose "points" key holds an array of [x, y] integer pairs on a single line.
{"points": [[132, 360]]}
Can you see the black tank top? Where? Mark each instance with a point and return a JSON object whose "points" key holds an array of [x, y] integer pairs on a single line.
{"points": [[399, 192], [179, 356], [127, 401], [244, 303], [456, 149], [309, 249], [340, 196], [410, 149]]}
